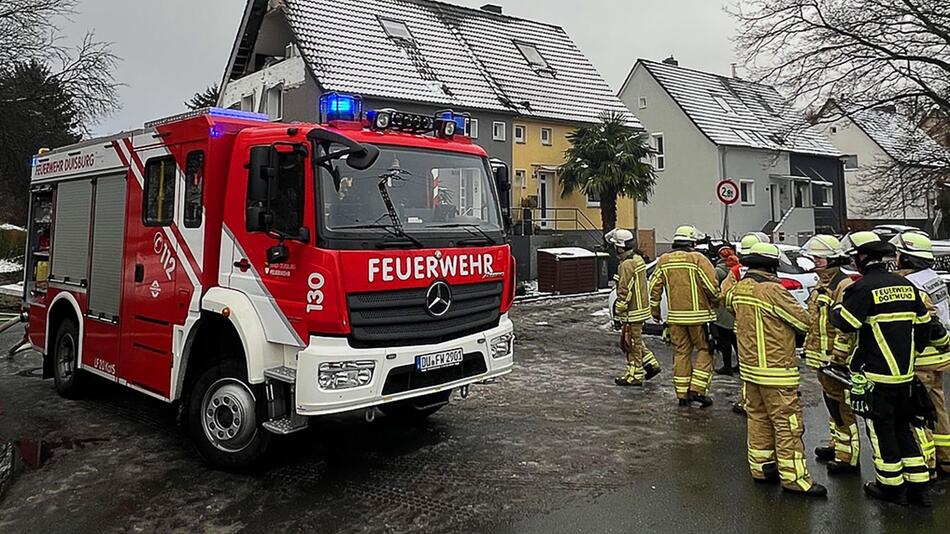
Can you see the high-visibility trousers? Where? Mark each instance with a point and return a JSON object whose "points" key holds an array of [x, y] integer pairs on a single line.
{"points": [[935, 445], [639, 357], [776, 426], [842, 424], [690, 375], [897, 456]]}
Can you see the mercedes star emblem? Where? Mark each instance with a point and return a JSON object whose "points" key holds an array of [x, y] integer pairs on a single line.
{"points": [[438, 299]]}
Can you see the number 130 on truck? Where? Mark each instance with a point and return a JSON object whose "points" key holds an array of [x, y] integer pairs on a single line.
{"points": [[257, 274]]}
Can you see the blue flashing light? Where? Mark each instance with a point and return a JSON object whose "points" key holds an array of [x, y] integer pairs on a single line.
{"points": [[215, 132], [340, 107], [224, 113], [459, 120]]}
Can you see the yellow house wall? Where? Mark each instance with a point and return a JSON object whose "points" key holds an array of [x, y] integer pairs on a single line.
{"points": [[532, 154]]}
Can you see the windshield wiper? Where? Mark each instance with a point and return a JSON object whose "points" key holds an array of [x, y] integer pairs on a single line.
{"points": [[473, 229], [396, 228], [389, 229]]}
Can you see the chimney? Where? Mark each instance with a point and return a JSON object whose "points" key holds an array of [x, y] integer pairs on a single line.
{"points": [[734, 73], [492, 8], [671, 61]]}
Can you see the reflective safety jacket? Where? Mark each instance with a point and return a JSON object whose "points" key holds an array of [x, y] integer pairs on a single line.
{"points": [[690, 283], [935, 356], [891, 320], [820, 343], [633, 303], [767, 318]]}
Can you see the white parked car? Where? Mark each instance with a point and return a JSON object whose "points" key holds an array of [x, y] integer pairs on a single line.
{"points": [[794, 272]]}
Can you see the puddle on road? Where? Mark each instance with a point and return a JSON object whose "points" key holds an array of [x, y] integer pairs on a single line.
{"points": [[35, 453], [36, 372]]}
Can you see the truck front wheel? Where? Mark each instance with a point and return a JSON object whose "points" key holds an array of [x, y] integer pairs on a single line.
{"points": [[224, 418]]}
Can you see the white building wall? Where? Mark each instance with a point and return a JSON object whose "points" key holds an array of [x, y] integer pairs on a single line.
{"points": [[685, 190]]}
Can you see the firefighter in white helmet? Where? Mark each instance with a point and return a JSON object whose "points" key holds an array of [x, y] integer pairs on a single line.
{"points": [[689, 280], [915, 261], [827, 350], [632, 309]]}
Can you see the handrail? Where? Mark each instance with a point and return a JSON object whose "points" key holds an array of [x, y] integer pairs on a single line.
{"points": [[580, 221]]}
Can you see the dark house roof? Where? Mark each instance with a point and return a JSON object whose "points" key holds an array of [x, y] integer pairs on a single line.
{"points": [[454, 56], [736, 112]]}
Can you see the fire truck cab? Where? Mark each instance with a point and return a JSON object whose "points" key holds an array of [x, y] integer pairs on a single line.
{"points": [[258, 274]]}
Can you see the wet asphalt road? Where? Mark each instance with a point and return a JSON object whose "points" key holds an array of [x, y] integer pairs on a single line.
{"points": [[554, 447]]}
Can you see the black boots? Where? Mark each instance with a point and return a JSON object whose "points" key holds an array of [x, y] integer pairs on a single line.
{"points": [[627, 380], [883, 493], [651, 371], [816, 490], [919, 494], [841, 468], [825, 454], [703, 400]]}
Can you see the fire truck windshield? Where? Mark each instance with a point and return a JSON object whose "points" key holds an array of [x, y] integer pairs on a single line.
{"points": [[433, 193]]}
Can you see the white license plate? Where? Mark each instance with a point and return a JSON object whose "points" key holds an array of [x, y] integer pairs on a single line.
{"points": [[438, 360]]}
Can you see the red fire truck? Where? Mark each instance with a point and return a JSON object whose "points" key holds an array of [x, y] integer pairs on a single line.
{"points": [[259, 274]]}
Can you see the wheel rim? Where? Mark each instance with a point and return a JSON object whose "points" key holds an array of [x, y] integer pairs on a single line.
{"points": [[228, 415], [66, 356]]}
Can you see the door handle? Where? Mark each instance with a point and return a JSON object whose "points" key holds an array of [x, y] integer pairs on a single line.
{"points": [[139, 272]]}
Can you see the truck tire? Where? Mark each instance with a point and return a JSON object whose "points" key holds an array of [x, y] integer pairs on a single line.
{"points": [[224, 418], [418, 408], [64, 355]]}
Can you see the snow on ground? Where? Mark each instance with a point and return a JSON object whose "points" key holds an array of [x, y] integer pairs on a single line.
{"points": [[13, 290], [7, 226], [7, 266]]}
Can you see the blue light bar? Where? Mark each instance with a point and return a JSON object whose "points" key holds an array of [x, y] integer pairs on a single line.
{"points": [[459, 120], [340, 107], [225, 113]]}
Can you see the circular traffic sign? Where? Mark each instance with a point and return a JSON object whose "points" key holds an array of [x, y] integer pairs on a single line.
{"points": [[728, 192]]}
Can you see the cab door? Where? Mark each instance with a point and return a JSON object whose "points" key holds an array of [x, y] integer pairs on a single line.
{"points": [[152, 269]]}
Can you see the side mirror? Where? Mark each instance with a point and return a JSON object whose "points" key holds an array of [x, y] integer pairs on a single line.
{"points": [[503, 184], [358, 155], [262, 170], [364, 159], [278, 253]]}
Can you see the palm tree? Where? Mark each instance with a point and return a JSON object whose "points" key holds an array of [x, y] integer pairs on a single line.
{"points": [[608, 160]]}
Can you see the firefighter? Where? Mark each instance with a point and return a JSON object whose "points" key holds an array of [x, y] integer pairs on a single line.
{"points": [[890, 319], [767, 319], [915, 261], [632, 309], [689, 281], [823, 351]]}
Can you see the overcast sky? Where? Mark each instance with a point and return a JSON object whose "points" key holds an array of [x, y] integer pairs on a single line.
{"points": [[172, 48]]}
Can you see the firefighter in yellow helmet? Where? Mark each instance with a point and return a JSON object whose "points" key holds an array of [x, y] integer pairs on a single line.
{"points": [[828, 355], [689, 280], [632, 309], [915, 261], [745, 247], [767, 319], [891, 320]]}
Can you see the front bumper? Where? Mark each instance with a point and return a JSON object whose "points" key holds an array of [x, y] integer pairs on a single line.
{"points": [[312, 400]]}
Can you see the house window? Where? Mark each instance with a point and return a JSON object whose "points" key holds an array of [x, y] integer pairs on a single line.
{"points": [[643, 102], [520, 178], [659, 149], [535, 60], [747, 192], [547, 136], [498, 131], [396, 29], [593, 199], [824, 196], [274, 102], [247, 103], [159, 198], [194, 188], [851, 162], [724, 105], [520, 134], [802, 193], [471, 128]]}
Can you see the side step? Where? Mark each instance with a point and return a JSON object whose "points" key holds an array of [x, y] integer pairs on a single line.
{"points": [[287, 425], [282, 374]]}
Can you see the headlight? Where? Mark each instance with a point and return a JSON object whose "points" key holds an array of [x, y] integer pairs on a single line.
{"points": [[345, 375], [501, 345]]}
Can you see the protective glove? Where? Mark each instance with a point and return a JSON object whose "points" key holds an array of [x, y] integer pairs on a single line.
{"points": [[858, 397], [617, 325]]}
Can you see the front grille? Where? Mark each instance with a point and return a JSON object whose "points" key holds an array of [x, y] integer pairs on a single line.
{"points": [[395, 318], [406, 378]]}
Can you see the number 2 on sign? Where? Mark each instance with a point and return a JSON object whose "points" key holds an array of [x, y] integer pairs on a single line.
{"points": [[315, 295]]}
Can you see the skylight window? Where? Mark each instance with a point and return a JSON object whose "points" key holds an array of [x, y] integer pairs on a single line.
{"points": [[534, 58], [396, 29], [723, 104], [744, 135]]}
